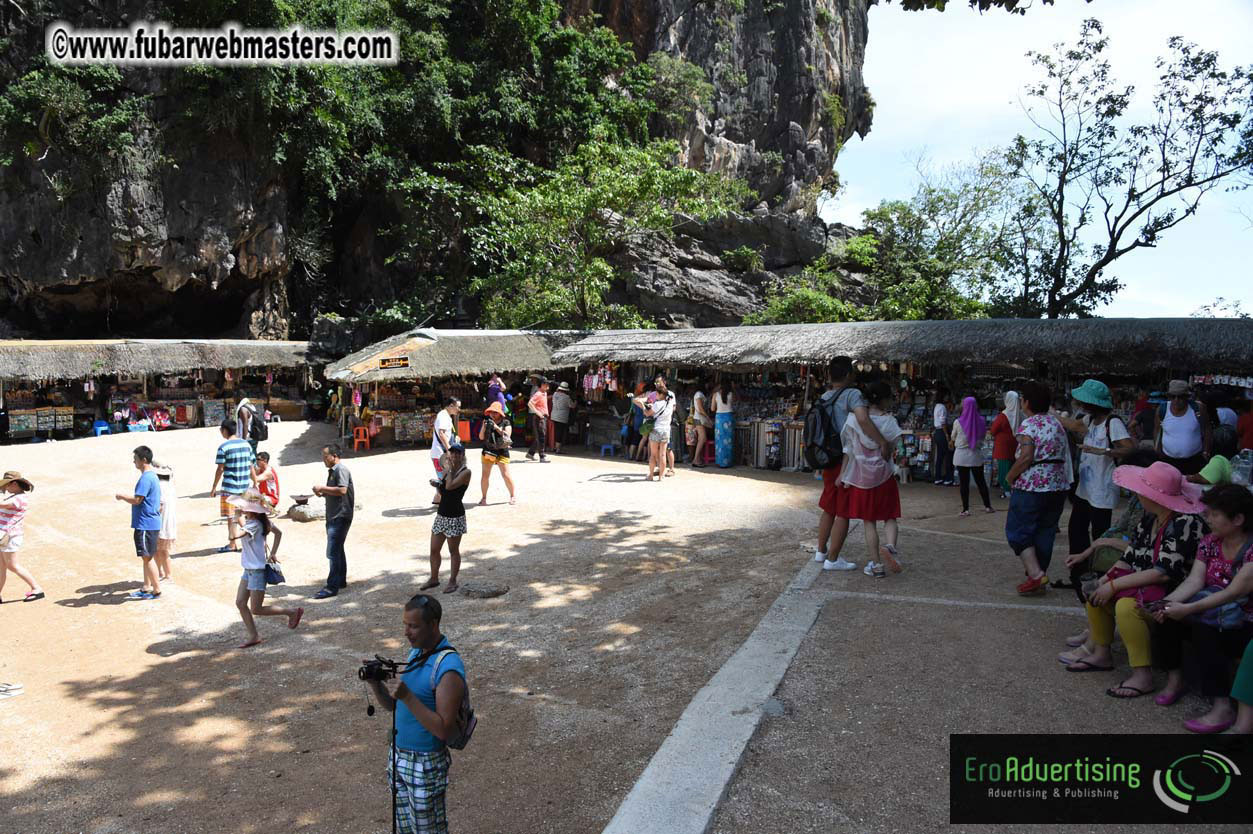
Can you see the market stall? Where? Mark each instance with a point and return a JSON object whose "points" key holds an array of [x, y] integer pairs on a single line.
{"points": [[768, 365], [395, 388], [59, 389]]}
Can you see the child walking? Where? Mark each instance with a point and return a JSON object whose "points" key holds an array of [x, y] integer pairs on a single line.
{"points": [[13, 504], [873, 495], [250, 598], [169, 521]]}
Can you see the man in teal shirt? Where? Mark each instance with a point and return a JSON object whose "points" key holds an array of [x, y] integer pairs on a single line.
{"points": [[427, 700], [145, 520]]}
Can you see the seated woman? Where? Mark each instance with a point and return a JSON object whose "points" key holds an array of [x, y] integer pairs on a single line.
{"points": [[1160, 555], [1220, 621], [1105, 552]]}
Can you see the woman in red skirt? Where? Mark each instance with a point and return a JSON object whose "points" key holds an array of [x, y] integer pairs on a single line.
{"points": [[872, 493]]}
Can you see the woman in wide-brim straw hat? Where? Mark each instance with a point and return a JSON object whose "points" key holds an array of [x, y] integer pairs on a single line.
{"points": [[497, 437], [1163, 547], [13, 504], [250, 597]]}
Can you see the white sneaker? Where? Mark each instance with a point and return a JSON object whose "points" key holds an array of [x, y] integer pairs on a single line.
{"points": [[839, 564], [868, 569], [819, 556]]}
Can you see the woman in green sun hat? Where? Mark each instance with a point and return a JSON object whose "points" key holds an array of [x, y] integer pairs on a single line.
{"points": [[1104, 443]]}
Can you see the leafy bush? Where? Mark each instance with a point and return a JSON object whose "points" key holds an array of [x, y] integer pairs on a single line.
{"points": [[743, 259]]}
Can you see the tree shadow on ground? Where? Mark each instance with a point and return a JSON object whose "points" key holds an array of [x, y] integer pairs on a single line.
{"points": [[611, 626], [307, 446]]}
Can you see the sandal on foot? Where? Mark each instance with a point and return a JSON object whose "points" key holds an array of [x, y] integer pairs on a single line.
{"points": [[451, 588], [1114, 690], [292, 623], [1084, 665], [250, 644], [1167, 699], [32, 596], [428, 585]]}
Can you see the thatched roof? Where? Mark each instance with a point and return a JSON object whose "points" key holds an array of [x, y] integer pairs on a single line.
{"points": [[35, 360], [1097, 344], [428, 353]]}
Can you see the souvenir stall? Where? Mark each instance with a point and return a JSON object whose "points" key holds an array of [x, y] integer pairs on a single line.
{"points": [[62, 389], [393, 389]]}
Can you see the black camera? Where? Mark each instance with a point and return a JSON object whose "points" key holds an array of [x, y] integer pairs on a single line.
{"points": [[378, 669]]}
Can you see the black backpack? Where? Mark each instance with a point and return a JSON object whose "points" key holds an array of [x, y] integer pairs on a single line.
{"points": [[258, 428], [823, 447]]}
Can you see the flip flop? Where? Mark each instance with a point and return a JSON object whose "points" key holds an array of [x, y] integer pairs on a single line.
{"points": [[1088, 666], [250, 644], [1071, 641], [1113, 692], [451, 588], [33, 596], [300, 612], [428, 585], [226, 548]]}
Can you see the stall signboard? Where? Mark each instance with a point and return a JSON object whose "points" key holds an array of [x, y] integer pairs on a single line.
{"points": [[393, 362]]}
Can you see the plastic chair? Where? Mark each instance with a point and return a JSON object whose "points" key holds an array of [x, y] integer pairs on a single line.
{"points": [[611, 448], [101, 427], [711, 453], [360, 435]]}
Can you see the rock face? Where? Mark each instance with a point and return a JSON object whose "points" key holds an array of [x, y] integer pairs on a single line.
{"points": [[693, 280], [158, 248], [788, 88], [199, 244]]}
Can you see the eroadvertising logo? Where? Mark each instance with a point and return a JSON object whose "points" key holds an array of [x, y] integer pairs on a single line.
{"points": [[1099, 779]]}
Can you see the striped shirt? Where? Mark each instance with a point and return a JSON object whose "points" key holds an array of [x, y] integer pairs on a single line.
{"points": [[12, 511], [236, 456]]}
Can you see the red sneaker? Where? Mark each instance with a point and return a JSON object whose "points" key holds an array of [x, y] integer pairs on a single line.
{"points": [[1034, 586]]}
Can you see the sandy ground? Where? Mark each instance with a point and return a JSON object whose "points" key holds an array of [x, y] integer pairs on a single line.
{"points": [[144, 717], [626, 598]]}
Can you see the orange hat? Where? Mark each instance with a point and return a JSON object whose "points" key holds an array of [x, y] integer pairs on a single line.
{"points": [[494, 408]]}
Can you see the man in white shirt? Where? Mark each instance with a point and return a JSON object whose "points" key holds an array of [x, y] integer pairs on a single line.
{"points": [[442, 435]]}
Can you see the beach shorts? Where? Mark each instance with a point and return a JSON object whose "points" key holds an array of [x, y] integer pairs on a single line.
{"points": [[146, 543], [421, 781], [11, 544], [449, 528], [255, 579], [227, 509], [655, 436]]}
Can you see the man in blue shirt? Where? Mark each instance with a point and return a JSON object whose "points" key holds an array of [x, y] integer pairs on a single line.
{"points": [[426, 700], [235, 460], [145, 521]]}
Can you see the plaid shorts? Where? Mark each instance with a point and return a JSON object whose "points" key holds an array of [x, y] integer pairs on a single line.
{"points": [[422, 780], [226, 508]]}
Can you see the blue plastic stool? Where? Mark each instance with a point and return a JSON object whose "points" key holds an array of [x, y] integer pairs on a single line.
{"points": [[611, 448], [101, 427]]}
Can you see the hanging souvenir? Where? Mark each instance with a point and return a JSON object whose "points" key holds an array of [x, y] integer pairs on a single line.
{"points": [[269, 377], [356, 397]]}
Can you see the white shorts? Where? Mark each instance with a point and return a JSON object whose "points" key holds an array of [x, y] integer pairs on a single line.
{"points": [[169, 527], [11, 544]]}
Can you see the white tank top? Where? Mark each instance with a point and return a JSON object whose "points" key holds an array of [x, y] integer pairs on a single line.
{"points": [[1181, 436]]}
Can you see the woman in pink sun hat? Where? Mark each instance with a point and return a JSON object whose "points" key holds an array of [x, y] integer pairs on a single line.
{"points": [[250, 596], [1162, 550]]}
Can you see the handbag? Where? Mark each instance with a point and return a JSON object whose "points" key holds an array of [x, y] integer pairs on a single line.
{"points": [[1145, 593], [274, 574]]}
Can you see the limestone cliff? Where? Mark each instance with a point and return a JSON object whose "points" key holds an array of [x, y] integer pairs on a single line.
{"points": [[788, 88]]}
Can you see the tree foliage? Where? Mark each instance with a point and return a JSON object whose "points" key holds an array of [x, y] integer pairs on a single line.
{"points": [[544, 249], [1106, 187]]}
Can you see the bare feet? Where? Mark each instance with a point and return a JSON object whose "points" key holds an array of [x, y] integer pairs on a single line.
{"points": [[293, 619], [250, 642], [483, 503], [429, 584]]}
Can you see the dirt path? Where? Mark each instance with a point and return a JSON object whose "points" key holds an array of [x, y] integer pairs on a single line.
{"points": [[143, 717]]}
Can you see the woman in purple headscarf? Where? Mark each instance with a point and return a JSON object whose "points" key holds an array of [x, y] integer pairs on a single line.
{"points": [[968, 434]]}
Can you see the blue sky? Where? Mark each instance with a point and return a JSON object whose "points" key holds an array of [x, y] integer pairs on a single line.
{"points": [[946, 85]]}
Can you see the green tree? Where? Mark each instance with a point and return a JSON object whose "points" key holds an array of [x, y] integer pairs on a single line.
{"points": [[1108, 188], [678, 89], [543, 252], [812, 297]]}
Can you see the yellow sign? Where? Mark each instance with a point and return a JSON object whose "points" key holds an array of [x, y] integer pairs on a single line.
{"points": [[391, 362]]}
